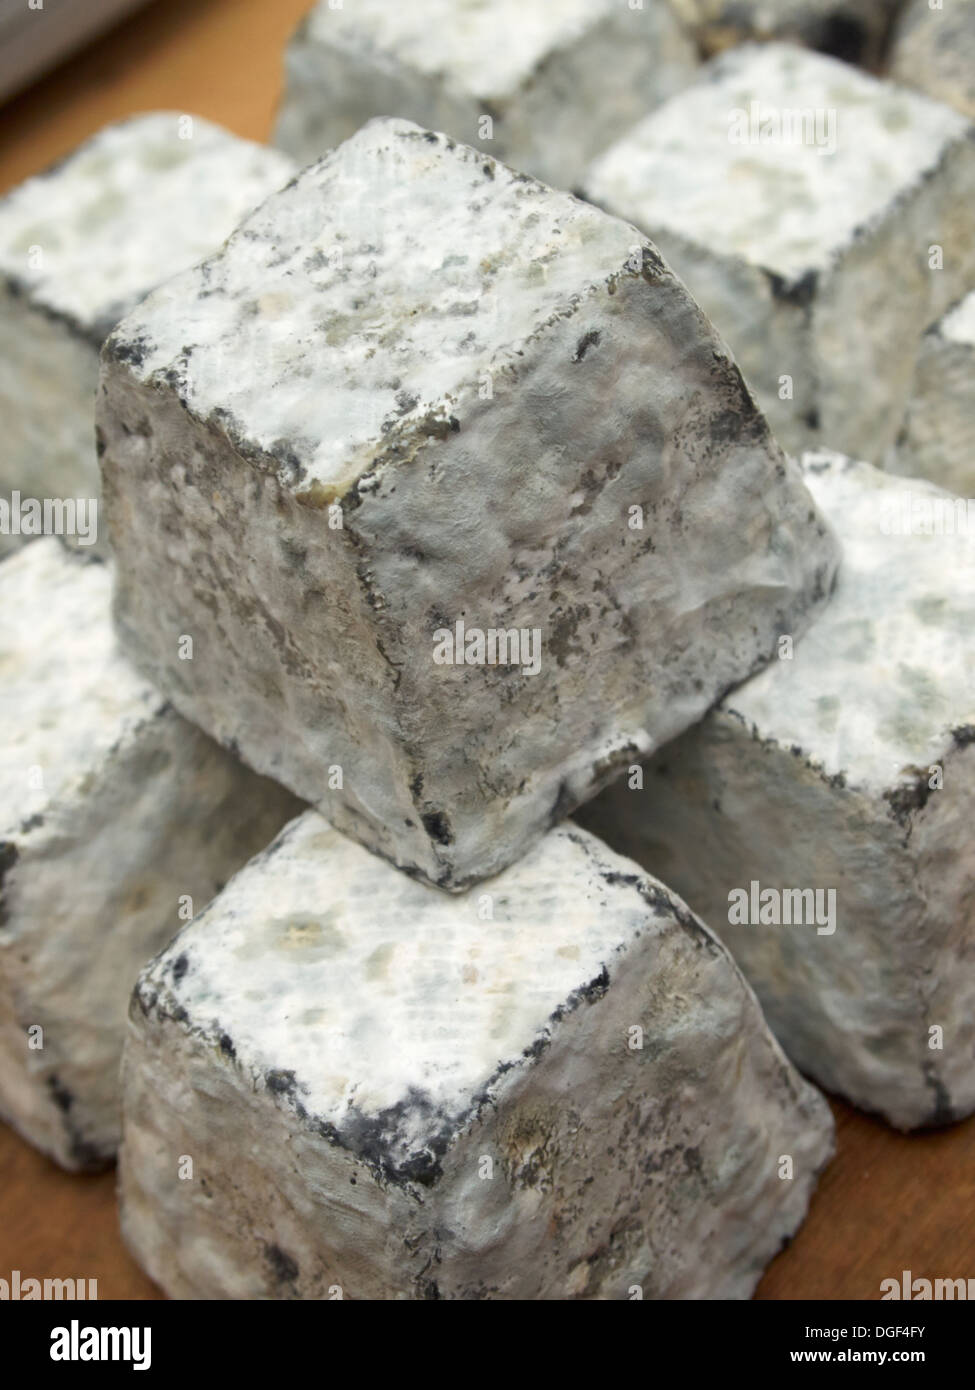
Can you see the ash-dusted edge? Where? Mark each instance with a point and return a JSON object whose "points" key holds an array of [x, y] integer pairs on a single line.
{"points": [[849, 771], [937, 441], [542, 84], [418, 400], [854, 30], [555, 1086], [117, 820], [824, 220], [80, 245]]}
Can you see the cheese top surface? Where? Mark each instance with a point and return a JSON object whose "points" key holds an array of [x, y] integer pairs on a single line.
{"points": [[353, 306], [776, 156], [321, 960], [67, 695], [886, 674], [474, 47], [133, 205]]}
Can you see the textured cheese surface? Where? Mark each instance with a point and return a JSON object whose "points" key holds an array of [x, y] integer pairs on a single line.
{"points": [[958, 325], [937, 439], [933, 49], [402, 1095], [846, 773], [115, 815], [486, 49], [365, 295], [784, 205], [541, 84], [381, 983], [887, 673], [488, 381], [133, 205], [59, 662]]}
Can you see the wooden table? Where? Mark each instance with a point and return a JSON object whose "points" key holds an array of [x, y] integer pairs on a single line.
{"points": [[887, 1203]]}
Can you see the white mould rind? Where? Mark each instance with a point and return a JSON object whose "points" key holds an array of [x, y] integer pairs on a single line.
{"points": [[389, 1093], [416, 388], [80, 245], [849, 768], [543, 85], [115, 815], [805, 203]]}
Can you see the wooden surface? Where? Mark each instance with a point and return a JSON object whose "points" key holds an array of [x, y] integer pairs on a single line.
{"points": [[886, 1204], [215, 58]]}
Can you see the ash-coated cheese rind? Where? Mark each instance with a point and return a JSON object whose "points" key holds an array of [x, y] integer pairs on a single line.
{"points": [[934, 51], [417, 390], [848, 767], [80, 245], [854, 30], [937, 440], [824, 219], [115, 816], [555, 1086], [542, 84]]}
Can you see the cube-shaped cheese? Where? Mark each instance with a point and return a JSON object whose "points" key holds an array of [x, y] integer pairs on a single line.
{"points": [[457, 494], [824, 219], [854, 30], [79, 246], [339, 1082], [542, 84], [937, 440], [117, 819], [934, 50], [820, 819]]}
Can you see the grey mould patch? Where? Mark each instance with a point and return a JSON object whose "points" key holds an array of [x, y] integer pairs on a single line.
{"points": [[283, 1267], [943, 1112], [132, 351], [588, 340], [910, 797], [800, 292], [382, 1141], [9, 854], [87, 1156]]}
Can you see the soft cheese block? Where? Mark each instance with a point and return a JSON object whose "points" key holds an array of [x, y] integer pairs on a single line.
{"points": [[934, 50], [854, 30], [541, 84], [340, 1083], [845, 773], [117, 820], [457, 492], [823, 218], [937, 440], [79, 246]]}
